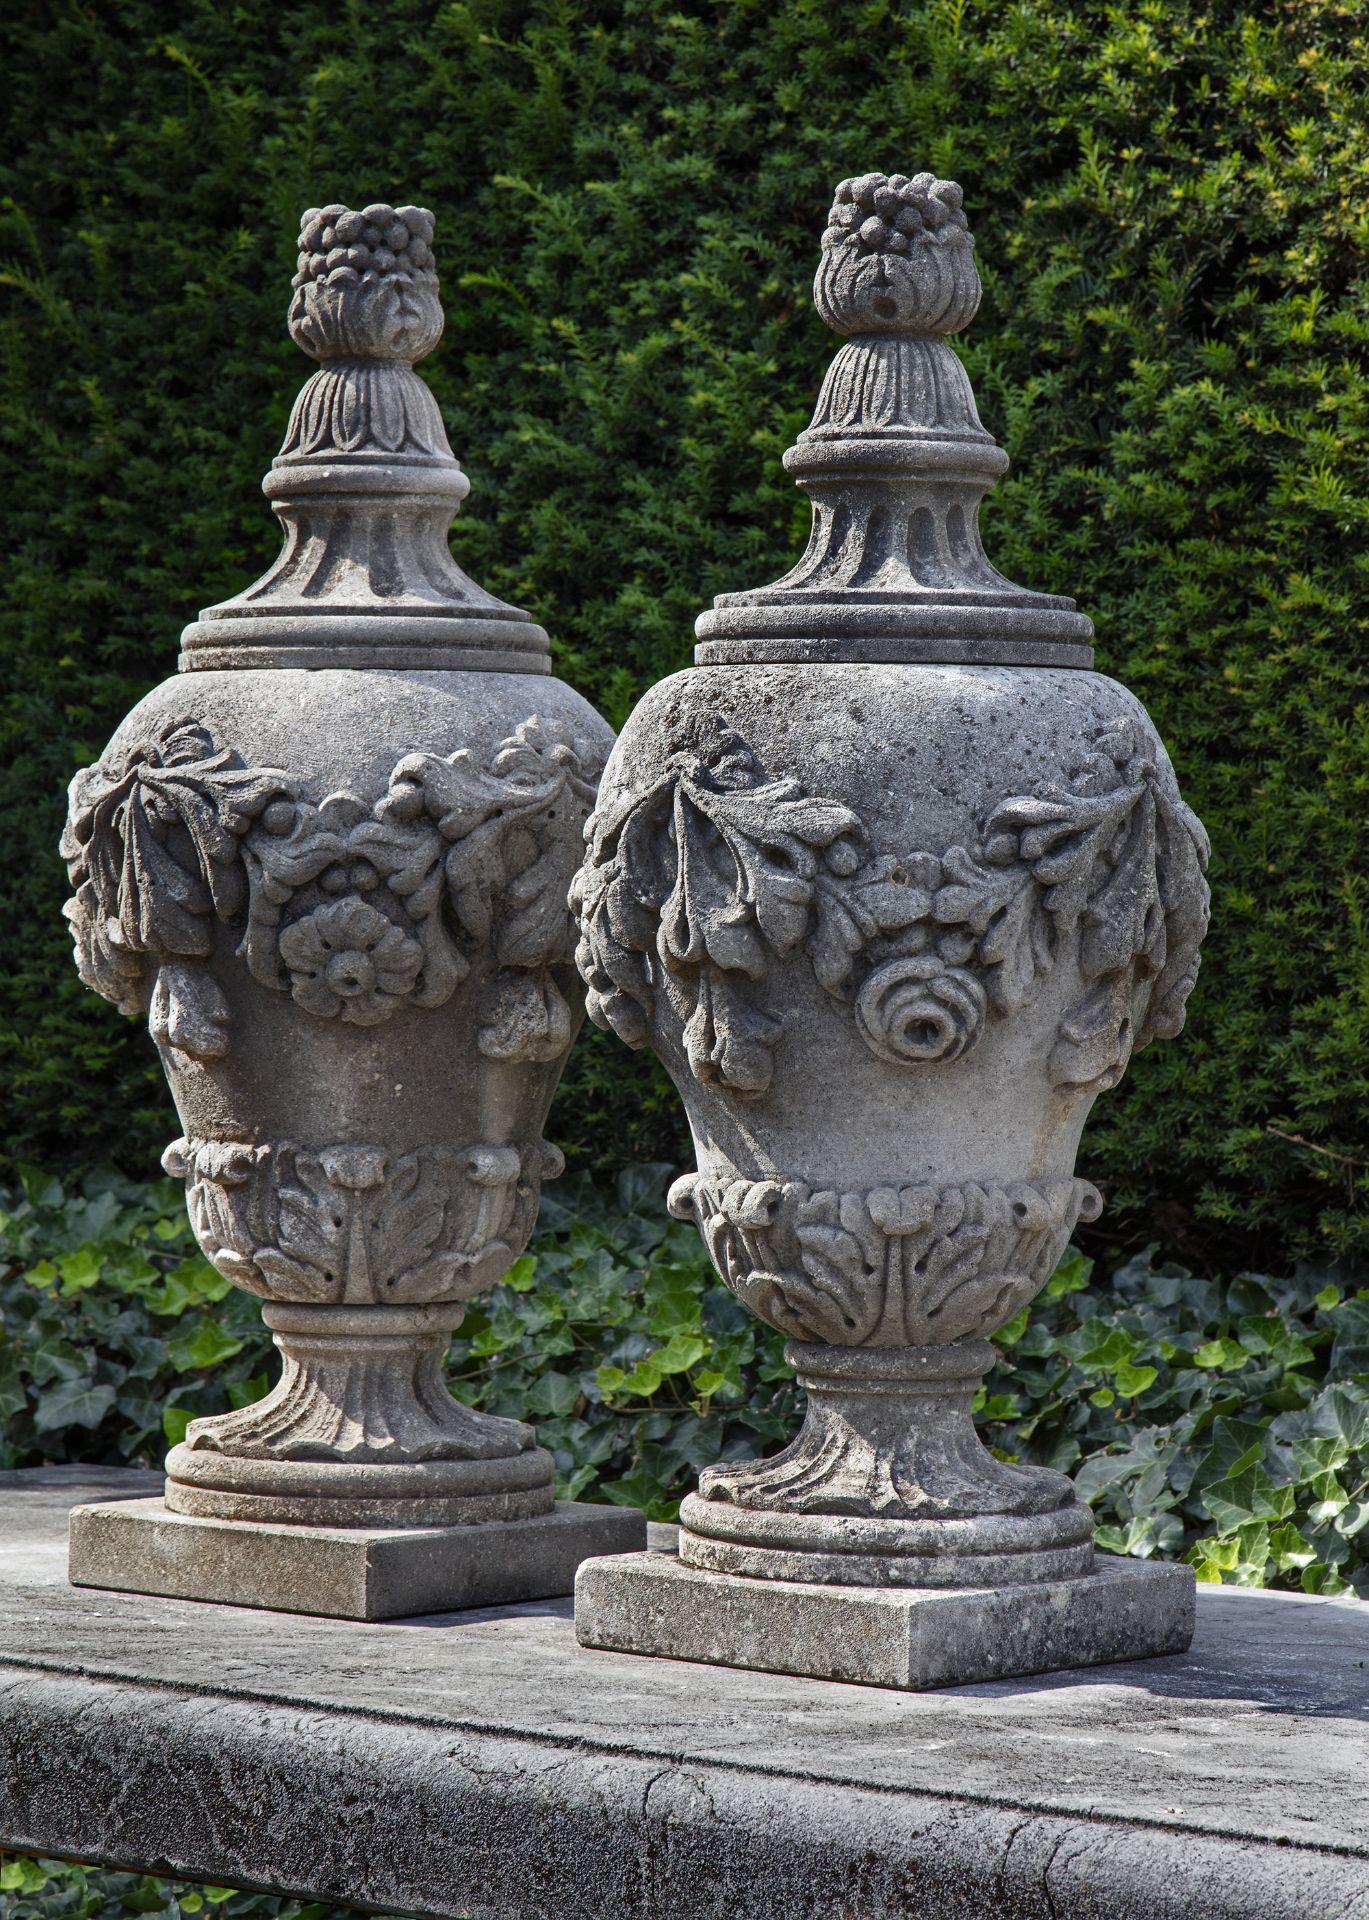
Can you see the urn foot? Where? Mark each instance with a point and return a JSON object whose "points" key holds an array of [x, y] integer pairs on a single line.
{"points": [[360, 1431], [835, 1550], [887, 1485]]}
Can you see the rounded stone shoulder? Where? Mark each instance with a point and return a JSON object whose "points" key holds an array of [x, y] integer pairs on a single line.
{"points": [[927, 743], [291, 871], [830, 892], [334, 728]]}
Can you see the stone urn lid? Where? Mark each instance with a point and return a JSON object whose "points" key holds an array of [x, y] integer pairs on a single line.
{"points": [[896, 463], [366, 484]]}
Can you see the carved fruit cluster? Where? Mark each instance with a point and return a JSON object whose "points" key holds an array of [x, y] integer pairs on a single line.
{"points": [[366, 289], [897, 258], [889, 213], [341, 246]]}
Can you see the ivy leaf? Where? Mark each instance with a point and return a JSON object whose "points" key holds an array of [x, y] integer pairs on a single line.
{"points": [[80, 1270], [73, 1403], [553, 1393], [1329, 1498], [175, 1420], [1247, 1494], [202, 1347]]}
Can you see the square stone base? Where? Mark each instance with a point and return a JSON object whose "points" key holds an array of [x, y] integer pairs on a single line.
{"points": [[885, 1636], [348, 1573]]}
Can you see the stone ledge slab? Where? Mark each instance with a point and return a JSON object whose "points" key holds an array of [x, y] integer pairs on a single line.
{"points": [[347, 1573], [884, 1636], [482, 1764]]}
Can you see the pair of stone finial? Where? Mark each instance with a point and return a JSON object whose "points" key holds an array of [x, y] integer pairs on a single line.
{"points": [[891, 881]]}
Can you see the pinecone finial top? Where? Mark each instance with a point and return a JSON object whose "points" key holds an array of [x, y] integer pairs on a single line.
{"points": [[897, 257], [366, 288]]}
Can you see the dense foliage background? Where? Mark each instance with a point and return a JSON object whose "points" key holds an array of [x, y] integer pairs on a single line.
{"points": [[1172, 206], [1171, 203]]}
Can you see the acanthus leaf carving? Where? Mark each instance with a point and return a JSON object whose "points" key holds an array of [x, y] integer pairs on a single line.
{"points": [[357, 1224], [718, 871], [886, 1266]]}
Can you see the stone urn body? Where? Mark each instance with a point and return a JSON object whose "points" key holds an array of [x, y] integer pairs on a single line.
{"points": [[329, 861], [895, 884]]}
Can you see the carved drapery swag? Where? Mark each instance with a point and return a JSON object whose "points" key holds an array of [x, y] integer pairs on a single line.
{"points": [[354, 908], [718, 872]]}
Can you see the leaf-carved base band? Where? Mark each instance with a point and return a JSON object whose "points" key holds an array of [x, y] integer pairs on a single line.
{"points": [[884, 1266], [360, 1223], [360, 1431], [887, 1484]]}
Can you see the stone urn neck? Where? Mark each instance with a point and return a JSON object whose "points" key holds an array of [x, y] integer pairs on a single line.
{"points": [[366, 485], [895, 462]]}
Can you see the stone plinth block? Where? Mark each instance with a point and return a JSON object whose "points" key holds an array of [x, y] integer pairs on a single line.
{"points": [[349, 1573], [912, 1637]]}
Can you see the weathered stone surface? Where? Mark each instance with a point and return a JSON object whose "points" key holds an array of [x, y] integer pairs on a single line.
{"points": [[895, 886], [883, 1636], [329, 861], [35, 1502], [895, 462], [353, 1573], [887, 1428], [484, 1765], [366, 577]]}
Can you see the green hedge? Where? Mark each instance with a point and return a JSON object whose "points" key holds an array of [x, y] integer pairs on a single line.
{"points": [[1171, 204]]}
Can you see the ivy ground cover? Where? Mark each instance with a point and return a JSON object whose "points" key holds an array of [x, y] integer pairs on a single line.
{"points": [[1222, 1420]]}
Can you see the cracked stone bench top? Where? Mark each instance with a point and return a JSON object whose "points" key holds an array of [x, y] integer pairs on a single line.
{"points": [[483, 1764]]}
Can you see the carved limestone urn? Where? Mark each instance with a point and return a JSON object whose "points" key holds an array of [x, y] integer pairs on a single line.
{"points": [[329, 860], [895, 884]]}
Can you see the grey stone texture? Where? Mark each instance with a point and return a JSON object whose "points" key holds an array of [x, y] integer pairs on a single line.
{"points": [[895, 462], [895, 886], [883, 1636], [365, 484], [349, 1572], [481, 1764], [328, 861]]}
